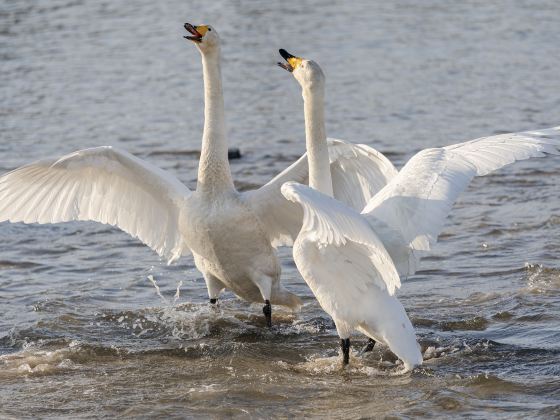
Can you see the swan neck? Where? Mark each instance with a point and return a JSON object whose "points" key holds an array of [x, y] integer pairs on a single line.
{"points": [[213, 170], [316, 141]]}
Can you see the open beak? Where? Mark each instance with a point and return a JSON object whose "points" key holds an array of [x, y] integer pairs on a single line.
{"points": [[196, 36], [286, 56]]}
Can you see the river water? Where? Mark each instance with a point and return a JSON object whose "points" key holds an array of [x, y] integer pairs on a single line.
{"points": [[83, 332]]}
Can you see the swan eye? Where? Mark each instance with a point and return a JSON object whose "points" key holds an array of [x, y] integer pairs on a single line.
{"points": [[209, 29]]}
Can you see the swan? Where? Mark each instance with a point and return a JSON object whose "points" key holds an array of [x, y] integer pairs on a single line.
{"points": [[353, 261], [337, 253], [231, 235]]}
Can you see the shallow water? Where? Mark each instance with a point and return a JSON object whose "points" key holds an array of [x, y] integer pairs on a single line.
{"points": [[82, 330]]}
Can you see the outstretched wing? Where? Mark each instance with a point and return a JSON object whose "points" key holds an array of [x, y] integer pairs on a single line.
{"points": [[409, 213], [101, 184], [345, 235], [358, 173]]}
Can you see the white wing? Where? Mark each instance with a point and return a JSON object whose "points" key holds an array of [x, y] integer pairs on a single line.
{"points": [[409, 213], [102, 184], [358, 173], [345, 233], [280, 218]]}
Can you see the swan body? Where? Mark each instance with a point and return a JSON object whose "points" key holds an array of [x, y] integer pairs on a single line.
{"points": [[231, 235], [350, 273], [233, 251], [352, 260]]}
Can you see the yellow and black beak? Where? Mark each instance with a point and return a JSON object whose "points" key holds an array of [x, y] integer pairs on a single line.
{"points": [[197, 32], [292, 62]]}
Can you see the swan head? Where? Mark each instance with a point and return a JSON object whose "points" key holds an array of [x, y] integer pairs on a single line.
{"points": [[205, 37], [307, 72]]}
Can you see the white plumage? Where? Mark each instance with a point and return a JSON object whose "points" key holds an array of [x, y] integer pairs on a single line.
{"points": [[330, 224], [103, 184]]}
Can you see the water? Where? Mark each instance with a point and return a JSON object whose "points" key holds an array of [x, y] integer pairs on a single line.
{"points": [[82, 330]]}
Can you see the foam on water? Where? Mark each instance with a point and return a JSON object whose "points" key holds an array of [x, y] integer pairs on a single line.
{"points": [[36, 362], [542, 280]]}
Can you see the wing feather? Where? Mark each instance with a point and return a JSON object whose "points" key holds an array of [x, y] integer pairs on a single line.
{"points": [[333, 225], [358, 172], [102, 184], [409, 213]]}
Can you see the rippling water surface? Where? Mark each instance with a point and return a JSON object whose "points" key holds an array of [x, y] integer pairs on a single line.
{"points": [[82, 330]]}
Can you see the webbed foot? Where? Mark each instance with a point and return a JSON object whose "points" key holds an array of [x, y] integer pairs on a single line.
{"points": [[368, 347]]}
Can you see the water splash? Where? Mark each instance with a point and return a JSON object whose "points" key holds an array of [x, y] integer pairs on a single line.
{"points": [[321, 366], [153, 281], [176, 296], [542, 279], [177, 293]]}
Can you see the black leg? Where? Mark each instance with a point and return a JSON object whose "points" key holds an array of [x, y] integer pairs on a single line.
{"points": [[345, 345], [267, 311], [213, 301], [369, 346]]}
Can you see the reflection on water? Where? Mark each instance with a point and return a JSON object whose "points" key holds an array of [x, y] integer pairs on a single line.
{"points": [[83, 331]]}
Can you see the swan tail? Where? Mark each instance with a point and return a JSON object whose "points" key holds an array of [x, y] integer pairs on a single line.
{"points": [[401, 341], [285, 298], [388, 323]]}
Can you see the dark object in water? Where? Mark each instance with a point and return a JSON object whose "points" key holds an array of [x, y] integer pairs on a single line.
{"points": [[234, 153]]}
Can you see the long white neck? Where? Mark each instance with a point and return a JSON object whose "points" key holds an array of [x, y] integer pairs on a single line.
{"points": [[214, 174], [316, 140]]}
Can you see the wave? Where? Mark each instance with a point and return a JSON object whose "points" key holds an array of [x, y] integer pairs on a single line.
{"points": [[541, 279]]}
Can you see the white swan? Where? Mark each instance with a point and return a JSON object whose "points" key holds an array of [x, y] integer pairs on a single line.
{"points": [[352, 261], [337, 252], [225, 230]]}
